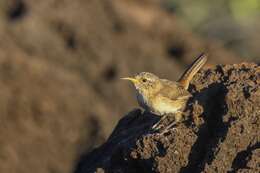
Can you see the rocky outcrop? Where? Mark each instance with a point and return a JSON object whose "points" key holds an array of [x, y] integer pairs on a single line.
{"points": [[220, 134]]}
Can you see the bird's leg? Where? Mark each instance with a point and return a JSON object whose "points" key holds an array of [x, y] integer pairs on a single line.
{"points": [[169, 127], [178, 117], [157, 126]]}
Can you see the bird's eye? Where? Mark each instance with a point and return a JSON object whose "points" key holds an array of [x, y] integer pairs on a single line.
{"points": [[144, 80]]}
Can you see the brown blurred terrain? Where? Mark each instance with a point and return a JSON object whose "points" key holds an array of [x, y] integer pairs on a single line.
{"points": [[60, 62]]}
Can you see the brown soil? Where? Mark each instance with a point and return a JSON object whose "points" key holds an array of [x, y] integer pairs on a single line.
{"points": [[220, 134], [60, 62]]}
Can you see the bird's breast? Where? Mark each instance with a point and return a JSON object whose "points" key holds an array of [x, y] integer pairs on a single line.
{"points": [[159, 105], [142, 101]]}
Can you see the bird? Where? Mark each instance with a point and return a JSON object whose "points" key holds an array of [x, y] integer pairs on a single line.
{"points": [[164, 97]]}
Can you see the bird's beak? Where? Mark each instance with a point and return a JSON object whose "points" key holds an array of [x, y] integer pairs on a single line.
{"points": [[130, 78]]}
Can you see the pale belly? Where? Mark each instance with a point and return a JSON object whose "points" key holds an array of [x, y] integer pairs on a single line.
{"points": [[159, 107], [162, 107]]}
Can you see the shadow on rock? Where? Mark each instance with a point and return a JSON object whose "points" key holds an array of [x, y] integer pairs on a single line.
{"points": [[129, 128]]}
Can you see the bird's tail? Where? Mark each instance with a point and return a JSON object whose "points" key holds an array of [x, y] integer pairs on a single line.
{"points": [[192, 70]]}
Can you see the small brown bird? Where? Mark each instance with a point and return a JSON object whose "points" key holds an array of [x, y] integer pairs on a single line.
{"points": [[163, 97]]}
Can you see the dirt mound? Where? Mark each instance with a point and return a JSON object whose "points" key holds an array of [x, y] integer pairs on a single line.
{"points": [[220, 134], [60, 62]]}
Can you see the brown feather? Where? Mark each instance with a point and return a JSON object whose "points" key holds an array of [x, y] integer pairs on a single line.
{"points": [[192, 70]]}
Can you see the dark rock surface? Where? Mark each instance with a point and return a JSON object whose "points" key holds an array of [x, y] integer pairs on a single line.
{"points": [[220, 133]]}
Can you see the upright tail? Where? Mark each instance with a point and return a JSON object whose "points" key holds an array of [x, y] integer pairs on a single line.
{"points": [[192, 70]]}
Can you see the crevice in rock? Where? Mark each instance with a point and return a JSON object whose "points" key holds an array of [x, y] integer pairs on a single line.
{"points": [[68, 35], [17, 9], [176, 52], [212, 131], [243, 157], [110, 73], [114, 18]]}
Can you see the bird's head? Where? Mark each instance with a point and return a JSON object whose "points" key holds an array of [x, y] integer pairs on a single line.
{"points": [[144, 81]]}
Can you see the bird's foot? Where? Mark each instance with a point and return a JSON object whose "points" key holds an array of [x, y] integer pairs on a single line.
{"points": [[158, 125], [162, 130]]}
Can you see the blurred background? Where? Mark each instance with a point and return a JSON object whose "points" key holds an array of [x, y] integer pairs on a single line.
{"points": [[61, 60]]}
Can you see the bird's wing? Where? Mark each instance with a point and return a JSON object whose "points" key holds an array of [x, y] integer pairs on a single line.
{"points": [[173, 91]]}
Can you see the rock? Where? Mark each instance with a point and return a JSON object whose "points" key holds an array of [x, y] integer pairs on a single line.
{"points": [[220, 134]]}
